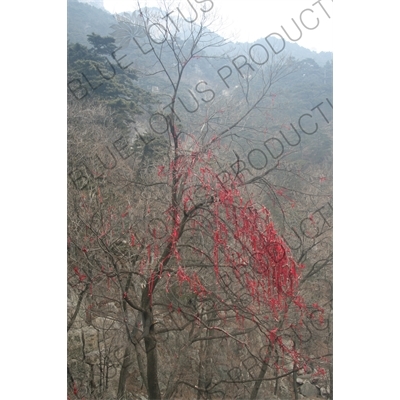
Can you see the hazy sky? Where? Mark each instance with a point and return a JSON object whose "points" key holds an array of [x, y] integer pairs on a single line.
{"points": [[249, 20]]}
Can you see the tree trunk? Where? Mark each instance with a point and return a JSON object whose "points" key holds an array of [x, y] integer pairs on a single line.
{"points": [[200, 380], [257, 384], [296, 393], [150, 342], [141, 366], [206, 361], [124, 371], [261, 375], [276, 382], [151, 353]]}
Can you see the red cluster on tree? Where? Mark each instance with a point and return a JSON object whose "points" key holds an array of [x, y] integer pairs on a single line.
{"points": [[243, 236]]}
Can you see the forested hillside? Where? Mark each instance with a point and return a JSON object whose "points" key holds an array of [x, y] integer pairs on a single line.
{"points": [[83, 19], [199, 212]]}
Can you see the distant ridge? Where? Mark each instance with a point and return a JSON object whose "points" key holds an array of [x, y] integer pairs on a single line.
{"points": [[94, 3], [83, 20]]}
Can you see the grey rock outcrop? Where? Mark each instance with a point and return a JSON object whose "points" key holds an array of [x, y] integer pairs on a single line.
{"points": [[308, 389]]}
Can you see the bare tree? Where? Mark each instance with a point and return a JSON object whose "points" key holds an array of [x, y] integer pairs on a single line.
{"points": [[164, 227]]}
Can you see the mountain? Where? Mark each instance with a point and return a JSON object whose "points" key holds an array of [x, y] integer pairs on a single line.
{"points": [[295, 50], [84, 19], [94, 3], [308, 85]]}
